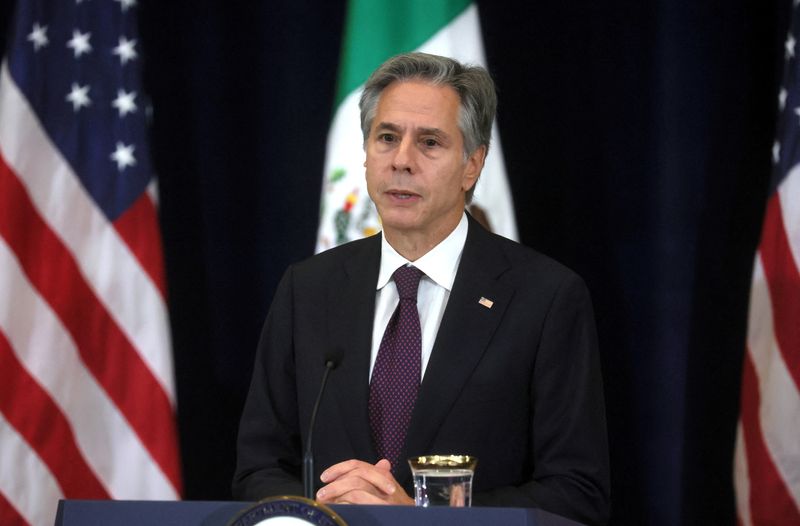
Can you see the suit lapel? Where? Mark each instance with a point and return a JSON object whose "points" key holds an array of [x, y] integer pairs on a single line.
{"points": [[351, 307], [465, 332]]}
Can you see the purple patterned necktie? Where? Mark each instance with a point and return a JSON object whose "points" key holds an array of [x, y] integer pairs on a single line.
{"points": [[396, 375]]}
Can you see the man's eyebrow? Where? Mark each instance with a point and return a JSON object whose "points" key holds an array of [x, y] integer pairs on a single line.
{"points": [[422, 131], [433, 131], [388, 126], [394, 128]]}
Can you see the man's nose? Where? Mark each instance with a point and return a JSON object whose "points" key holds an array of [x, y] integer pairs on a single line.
{"points": [[405, 156]]}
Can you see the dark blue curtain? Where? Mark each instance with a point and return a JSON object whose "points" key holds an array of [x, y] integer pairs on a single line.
{"points": [[637, 136]]}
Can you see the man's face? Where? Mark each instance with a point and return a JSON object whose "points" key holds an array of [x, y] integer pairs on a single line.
{"points": [[416, 172]]}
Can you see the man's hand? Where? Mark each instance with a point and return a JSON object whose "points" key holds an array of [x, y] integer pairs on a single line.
{"points": [[357, 482]]}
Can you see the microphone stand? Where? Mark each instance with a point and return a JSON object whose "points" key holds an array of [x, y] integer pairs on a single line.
{"points": [[308, 457]]}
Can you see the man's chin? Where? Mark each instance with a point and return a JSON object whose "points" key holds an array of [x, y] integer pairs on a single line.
{"points": [[399, 216], [400, 227]]}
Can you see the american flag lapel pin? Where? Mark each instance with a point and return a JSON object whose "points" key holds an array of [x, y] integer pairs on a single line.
{"points": [[486, 302]]}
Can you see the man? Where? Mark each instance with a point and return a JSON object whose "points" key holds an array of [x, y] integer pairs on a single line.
{"points": [[502, 338]]}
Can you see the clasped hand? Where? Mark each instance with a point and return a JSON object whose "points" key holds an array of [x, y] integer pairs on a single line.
{"points": [[357, 482]]}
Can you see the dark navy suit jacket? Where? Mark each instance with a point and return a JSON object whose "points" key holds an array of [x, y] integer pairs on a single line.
{"points": [[517, 385]]}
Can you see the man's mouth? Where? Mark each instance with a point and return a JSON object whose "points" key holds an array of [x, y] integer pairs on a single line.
{"points": [[400, 194]]}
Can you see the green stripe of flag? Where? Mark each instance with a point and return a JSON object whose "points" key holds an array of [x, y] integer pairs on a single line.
{"points": [[378, 29]]}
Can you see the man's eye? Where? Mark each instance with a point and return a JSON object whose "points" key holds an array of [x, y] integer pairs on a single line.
{"points": [[386, 137], [430, 143]]}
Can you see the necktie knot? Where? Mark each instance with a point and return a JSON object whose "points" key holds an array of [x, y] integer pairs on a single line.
{"points": [[406, 278]]}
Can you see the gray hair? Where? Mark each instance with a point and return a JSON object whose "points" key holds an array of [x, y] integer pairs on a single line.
{"points": [[475, 88]]}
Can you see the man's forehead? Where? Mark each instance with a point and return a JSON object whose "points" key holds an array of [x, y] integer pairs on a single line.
{"points": [[418, 104]]}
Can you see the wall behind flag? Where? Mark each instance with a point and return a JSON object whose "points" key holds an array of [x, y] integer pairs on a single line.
{"points": [[637, 140]]}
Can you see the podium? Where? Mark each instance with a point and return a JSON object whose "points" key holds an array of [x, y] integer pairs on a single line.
{"points": [[207, 513]]}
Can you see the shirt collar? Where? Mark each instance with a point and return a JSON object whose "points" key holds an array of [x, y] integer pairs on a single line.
{"points": [[439, 264]]}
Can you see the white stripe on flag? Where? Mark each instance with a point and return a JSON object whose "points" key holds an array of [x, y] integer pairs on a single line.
{"points": [[71, 213], [152, 191], [344, 131], [741, 479], [30, 487], [789, 192], [105, 439], [779, 410]]}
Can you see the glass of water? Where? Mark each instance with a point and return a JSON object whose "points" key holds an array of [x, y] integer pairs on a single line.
{"points": [[443, 480]]}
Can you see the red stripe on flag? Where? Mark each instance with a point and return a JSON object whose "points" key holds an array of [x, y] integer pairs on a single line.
{"points": [[783, 279], [105, 349], [770, 500], [138, 226], [44, 427], [9, 516]]}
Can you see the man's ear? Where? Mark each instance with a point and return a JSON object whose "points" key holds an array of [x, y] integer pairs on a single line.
{"points": [[473, 167]]}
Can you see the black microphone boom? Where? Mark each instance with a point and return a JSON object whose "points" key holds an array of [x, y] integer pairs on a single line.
{"points": [[331, 362]]}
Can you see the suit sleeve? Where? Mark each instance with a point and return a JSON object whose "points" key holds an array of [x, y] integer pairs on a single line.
{"points": [[269, 445], [568, 439]]}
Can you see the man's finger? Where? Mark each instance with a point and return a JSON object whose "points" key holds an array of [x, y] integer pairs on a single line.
{"points": [[340, 469], [369, 478], [378, 475]]}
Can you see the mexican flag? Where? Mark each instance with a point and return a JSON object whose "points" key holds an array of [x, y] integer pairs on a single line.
{"points": [[374, 31]]}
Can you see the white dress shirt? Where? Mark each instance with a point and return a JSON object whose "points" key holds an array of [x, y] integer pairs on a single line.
{"points": [[439, 265]]}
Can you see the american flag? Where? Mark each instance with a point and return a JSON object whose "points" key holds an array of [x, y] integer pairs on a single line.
{"points": [[87, 397], [767, 457]]}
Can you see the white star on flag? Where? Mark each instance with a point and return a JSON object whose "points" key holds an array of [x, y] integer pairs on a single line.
{"points": [[782, 99], [38, 36], [78, 96], [80, 43], [125, 50], [123, 156], [776, 152], [790, 42], [124, 102], [125, 4]]}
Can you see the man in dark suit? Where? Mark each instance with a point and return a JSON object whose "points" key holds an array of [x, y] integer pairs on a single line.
{"points": [[505, 346]]}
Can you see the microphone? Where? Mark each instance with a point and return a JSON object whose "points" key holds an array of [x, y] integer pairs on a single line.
{"points": [[331, 363]]}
